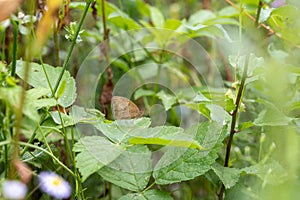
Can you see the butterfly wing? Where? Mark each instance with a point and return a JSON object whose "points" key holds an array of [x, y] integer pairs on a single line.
{"points": [[123, 108]]}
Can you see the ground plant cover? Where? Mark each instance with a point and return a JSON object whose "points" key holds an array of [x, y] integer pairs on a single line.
{"points": [[149, 99]]}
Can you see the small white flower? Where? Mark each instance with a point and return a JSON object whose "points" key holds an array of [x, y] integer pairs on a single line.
{"points": [[14, 190], [54, 185]]}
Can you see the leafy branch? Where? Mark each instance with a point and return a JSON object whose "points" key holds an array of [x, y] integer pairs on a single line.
{"points": [[234, 115]]}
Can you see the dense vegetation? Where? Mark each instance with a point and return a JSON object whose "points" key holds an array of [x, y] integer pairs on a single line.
{"points": [[206, 99]]}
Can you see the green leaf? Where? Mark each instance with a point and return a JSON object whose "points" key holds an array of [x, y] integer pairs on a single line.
{"points": [[239, 63], [172, 24], [38, 79], [265, 14], [277, 54], [109, 8], [61, 88], [228, 11], [271, 116], [228, 176], [167, 99], [200, 17], [180, 164], [201, 98], [164, 135], [241, 192], [149, 194], [271, 172], [85, 115], [119, 130], [142, 92], [217, 113], [221, 20], [11, 95], [130, 170], [200, 107], [123, 21], [78, 115], [68, 120], [157, 17], [284, 21], [116, 16], [38, 98], [246, 125], [204, 30], [94, 152]]}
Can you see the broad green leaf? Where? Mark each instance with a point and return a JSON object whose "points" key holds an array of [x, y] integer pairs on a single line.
{"points": [[164, 135], [172, 24], [109, 8], [130, 170], [121, 64], [246, 125], [228, 176], [123, 21], [157, 17], [180, 164], [118, 17], [142, 7], [85, 115], [200, 30], [68, 120], [221, 20], [284, 21], [241, 192], [149, 194], [200, 17], [217, 113], [228, 11], [38, 79], [167, 99], [272, 116], [119, 130], [239, 63], [11, 95], [277, 54], [210, 111], [271, 172], [38, 98], [142, 92], [78, 115], [95, 152], [200, 107], [201, 98]]}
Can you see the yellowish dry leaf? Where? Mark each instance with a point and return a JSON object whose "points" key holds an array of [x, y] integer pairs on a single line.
{"points": [[7, 7]]}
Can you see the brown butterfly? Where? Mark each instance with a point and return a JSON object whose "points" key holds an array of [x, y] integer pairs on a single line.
{"points": [[123, 108]]}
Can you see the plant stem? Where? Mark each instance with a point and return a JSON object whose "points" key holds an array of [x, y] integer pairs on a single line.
{"points": [[234, 120], [3, 36], [70, 50], [235, 112], [260, 4], [106, 43], [56, 45], [15, 46], [50, 154]]}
